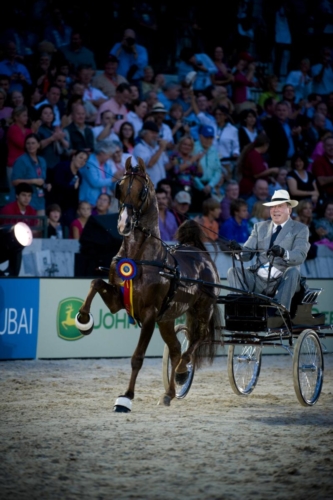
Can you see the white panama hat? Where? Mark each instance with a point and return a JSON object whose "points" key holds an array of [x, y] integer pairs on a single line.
{"points": [[281, 196]]}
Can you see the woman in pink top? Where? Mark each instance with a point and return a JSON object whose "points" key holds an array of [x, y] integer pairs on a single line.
{"points": [[243, 78], [5, 111], [319, 149], [16, 135], [76, 227], [252, 166]]}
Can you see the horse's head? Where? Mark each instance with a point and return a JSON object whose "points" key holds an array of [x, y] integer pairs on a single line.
{"points": [[132, 192]]}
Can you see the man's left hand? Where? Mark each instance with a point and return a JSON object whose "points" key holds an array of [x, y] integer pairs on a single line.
{"points": [[276, 251]]}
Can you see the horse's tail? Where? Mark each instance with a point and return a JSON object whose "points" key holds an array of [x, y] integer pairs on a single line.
{"points": [[205, 338]]}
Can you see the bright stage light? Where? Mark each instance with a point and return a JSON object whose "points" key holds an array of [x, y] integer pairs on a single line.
{"points": [[13, 239], [23, 234]]}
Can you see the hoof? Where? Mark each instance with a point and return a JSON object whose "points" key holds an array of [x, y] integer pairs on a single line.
{"points": [[164, 400], [122, 405], [181, 378], [84, 328]]}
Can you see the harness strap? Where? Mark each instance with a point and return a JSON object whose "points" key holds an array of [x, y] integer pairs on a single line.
{"points": [[174, 283]]}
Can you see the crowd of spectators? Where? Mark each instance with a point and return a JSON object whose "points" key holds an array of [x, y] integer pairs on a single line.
{"points": [[219, 132]]}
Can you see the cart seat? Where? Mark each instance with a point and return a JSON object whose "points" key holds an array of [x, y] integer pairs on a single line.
{"points": [[301, 308], [244, 313]]}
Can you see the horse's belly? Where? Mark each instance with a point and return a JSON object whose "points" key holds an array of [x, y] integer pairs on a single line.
{"points": [[182, 301]]}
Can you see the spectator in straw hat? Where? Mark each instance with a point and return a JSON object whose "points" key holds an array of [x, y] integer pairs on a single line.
{"points": [[158, 114]]}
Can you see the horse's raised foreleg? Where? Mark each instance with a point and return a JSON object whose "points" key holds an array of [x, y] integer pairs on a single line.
{"points": [[169, 336], [123, 403], [111, 297]]}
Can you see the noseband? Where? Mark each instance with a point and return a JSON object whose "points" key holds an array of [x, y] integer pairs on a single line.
{"points": [[137, 212]]}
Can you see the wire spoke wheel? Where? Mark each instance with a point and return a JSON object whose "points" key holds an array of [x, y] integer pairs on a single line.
{"points": [[308, 368], [181, 389], [244, 363]]}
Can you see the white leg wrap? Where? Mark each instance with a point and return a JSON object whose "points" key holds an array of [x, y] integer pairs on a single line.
{"points": [[125, 402], [84, 326]]}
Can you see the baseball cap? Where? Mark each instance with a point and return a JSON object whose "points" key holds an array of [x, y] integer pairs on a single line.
{"points": [[206, 131], [150, 125], [183, 197]]}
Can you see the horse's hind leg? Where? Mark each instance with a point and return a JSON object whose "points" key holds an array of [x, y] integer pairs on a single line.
{"points": [[84, 320], [123, 403], [204, 325], [169, 336], [198, 320]]}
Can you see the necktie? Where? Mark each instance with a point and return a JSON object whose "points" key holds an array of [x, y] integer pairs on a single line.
{"points": [[274, 236]]}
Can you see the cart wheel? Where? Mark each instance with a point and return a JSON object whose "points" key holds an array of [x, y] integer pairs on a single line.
{"points": [[308, 368], [244, 364], [181, 390]]}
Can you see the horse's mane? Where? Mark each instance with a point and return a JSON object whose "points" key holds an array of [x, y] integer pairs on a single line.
{"points": [[190, 233]]}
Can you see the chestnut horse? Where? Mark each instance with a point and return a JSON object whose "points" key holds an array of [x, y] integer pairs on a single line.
{"points": [[156, 298]]}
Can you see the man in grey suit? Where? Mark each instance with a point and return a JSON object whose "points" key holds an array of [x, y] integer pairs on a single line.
{"points": [[282, 245]]}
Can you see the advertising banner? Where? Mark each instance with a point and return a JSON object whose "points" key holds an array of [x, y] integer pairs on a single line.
{"points": [[113, 335], [19, 303]]}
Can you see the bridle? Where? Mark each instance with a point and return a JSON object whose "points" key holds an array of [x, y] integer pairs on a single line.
{"points": [[137, 212]]}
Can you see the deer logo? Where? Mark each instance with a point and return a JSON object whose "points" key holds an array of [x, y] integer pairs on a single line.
{"points": [[67, 310], [69, 321]]}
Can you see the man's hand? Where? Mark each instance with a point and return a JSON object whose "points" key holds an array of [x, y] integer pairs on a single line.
{"points": [[233, 245], [162, 144], [58, 134], [276, 251], [198, 156]]}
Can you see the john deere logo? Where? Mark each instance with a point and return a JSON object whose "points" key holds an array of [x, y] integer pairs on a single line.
{"points": [[67, 310]]}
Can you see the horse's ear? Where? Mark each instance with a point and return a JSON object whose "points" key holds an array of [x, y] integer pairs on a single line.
{"points": [[141, 165], [128, 164]]}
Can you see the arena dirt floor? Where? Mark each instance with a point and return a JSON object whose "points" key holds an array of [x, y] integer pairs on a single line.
{"points": [[59, 438]]}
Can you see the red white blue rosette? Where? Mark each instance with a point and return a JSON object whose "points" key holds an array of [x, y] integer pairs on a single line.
{"points": [[126, 269]]}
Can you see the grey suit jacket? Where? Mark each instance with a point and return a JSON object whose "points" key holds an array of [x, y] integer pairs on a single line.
{"points": [[294, 237]]}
